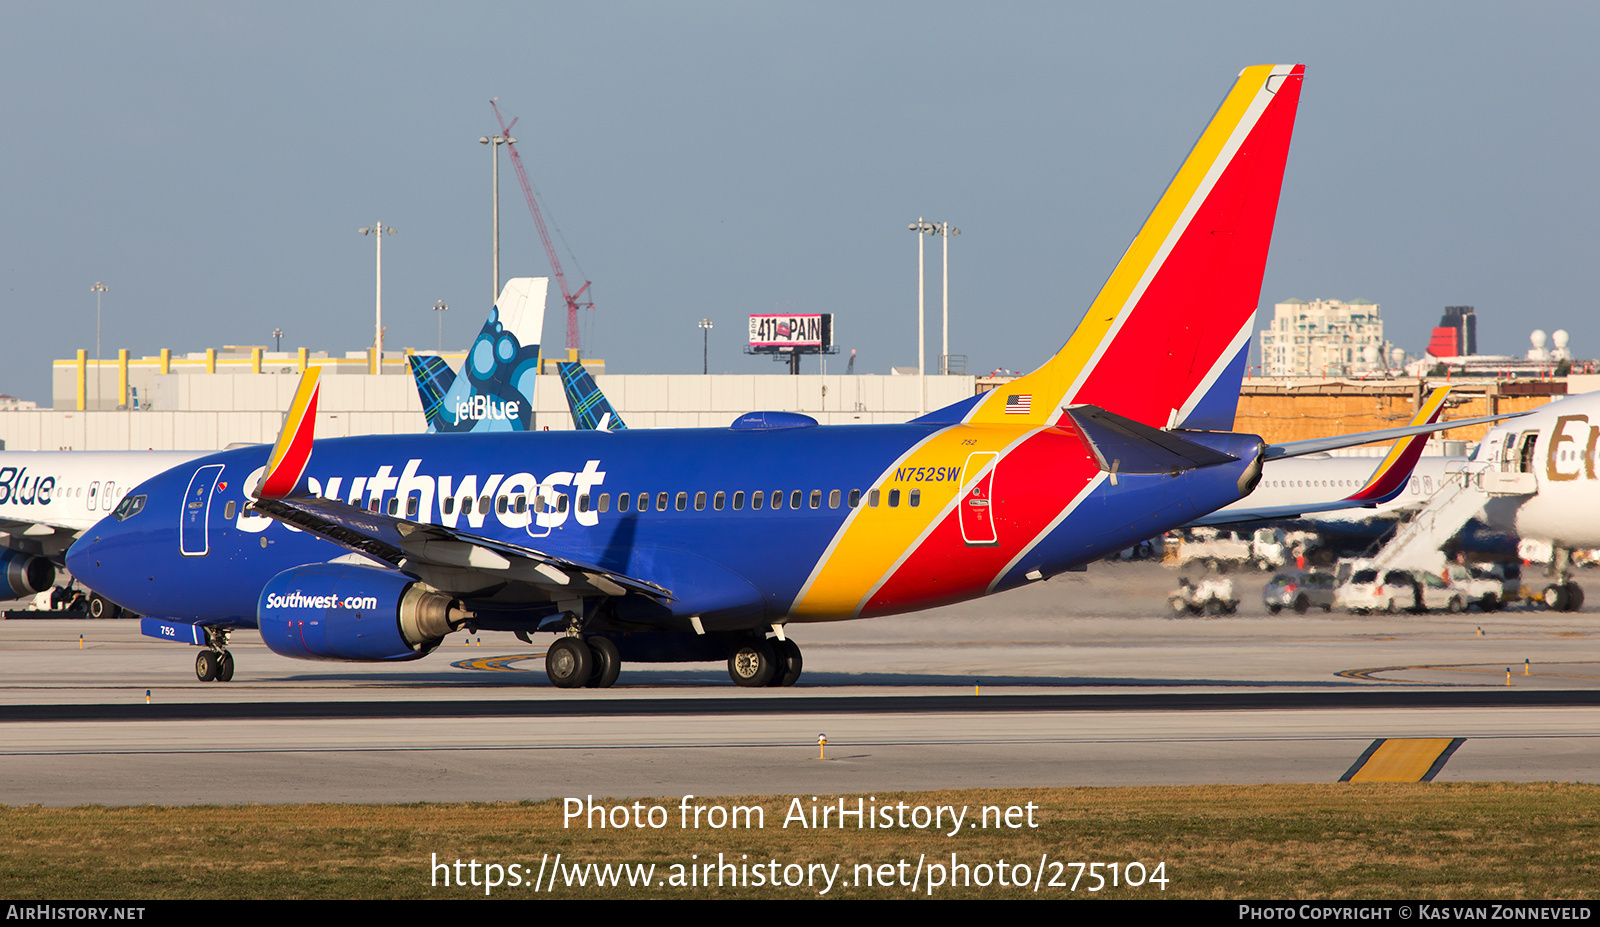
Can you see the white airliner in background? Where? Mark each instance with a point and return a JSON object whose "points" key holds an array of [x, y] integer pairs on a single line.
{"points": [[1539, 475], [48, 498]]}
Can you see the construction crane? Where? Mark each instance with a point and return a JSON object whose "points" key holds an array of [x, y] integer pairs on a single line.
{"points": [[567, 296]]}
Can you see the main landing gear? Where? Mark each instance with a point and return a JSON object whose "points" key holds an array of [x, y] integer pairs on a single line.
{"points": [[1563, 595], [577, 662], [215, 664], [765, 662]]}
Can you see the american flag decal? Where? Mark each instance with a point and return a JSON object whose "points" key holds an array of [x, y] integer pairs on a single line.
{"points": [[1019, 405]]}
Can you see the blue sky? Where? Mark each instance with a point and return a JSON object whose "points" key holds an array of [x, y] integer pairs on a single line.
{"points": [[212, 162]]}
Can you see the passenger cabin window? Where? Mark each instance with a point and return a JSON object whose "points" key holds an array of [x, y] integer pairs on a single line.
{"points": [[794, 498], [916, 497], [894, 498], [449, 504], [500, 503], [718, 500], [756, 498], [661, 502], [738, 500], [700, 502], [583, 502], [833, 499], [394, 504], [623, 499], [683, 501], [561, 503], [816, 498], [855, 498], [605, 502], [777, 499], [227, 511], [483, 505], [411, 506], [872, 498], [520, 505]]}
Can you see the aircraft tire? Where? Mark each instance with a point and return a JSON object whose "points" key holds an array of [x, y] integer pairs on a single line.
{"points": [[1574, 597], [224, 666], [1555, 598], [101, 607], [607, 663], [205, 665], [568, 663], [752, 664], [789, 663]]}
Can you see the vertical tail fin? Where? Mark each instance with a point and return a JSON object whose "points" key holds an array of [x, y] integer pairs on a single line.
{"points": [[494, 390], [434, 379], [590, 408], [1163, 329]]}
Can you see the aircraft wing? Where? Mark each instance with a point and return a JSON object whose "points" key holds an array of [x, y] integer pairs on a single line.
{"points": [[450, 560]]}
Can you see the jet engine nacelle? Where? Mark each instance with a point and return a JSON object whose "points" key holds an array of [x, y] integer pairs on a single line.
{"points": [[26, 574], [337, 611]]}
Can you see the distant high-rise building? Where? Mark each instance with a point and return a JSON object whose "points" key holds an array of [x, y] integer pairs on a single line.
{"points": [[1323, 338], [1457, 333]]}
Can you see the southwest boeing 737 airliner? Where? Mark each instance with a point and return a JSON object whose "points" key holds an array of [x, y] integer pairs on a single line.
{"points": [[670, 545]]}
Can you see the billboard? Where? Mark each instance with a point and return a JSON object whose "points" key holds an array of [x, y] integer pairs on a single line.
{"points": [[785, 333]]}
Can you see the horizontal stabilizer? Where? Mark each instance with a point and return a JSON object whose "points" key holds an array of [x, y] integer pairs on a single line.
{"points": [[1122, 445]]}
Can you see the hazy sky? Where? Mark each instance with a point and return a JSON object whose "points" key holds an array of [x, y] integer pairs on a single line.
{"points": [[212, 162]]}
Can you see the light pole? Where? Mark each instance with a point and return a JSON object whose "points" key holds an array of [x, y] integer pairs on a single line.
{"points": [[440, 308], [97, 289], [378, 230], [705, 346], [944, 231], [494, 142], [922, 228], [277, 339]]}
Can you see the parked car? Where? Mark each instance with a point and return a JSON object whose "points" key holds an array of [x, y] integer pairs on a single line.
{"points": [[1369, 591], [1483, 586], [1299, 591]]}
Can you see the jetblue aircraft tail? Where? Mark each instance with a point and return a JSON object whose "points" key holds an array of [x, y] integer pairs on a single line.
{"points": [[496, 392], [591, 411], [1170, 322]]}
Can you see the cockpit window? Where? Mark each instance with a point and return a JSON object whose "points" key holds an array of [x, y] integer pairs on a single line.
{"points": [[128, 507]]}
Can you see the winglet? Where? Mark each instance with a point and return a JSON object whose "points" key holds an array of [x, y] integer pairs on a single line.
{"points": [[1391, 475], [293, 450]]}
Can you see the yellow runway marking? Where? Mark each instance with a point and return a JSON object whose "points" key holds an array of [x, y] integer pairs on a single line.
{"points": [[1402, 760], [501, 664], [1482, 669]]}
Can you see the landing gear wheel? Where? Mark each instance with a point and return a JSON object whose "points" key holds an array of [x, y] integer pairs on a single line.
{"points": [[752, 665], [607, 663], [101, 607], [1555, 598], [1574, 597], [568, 663], [224, 667], [788, 667], [205, 665]]}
